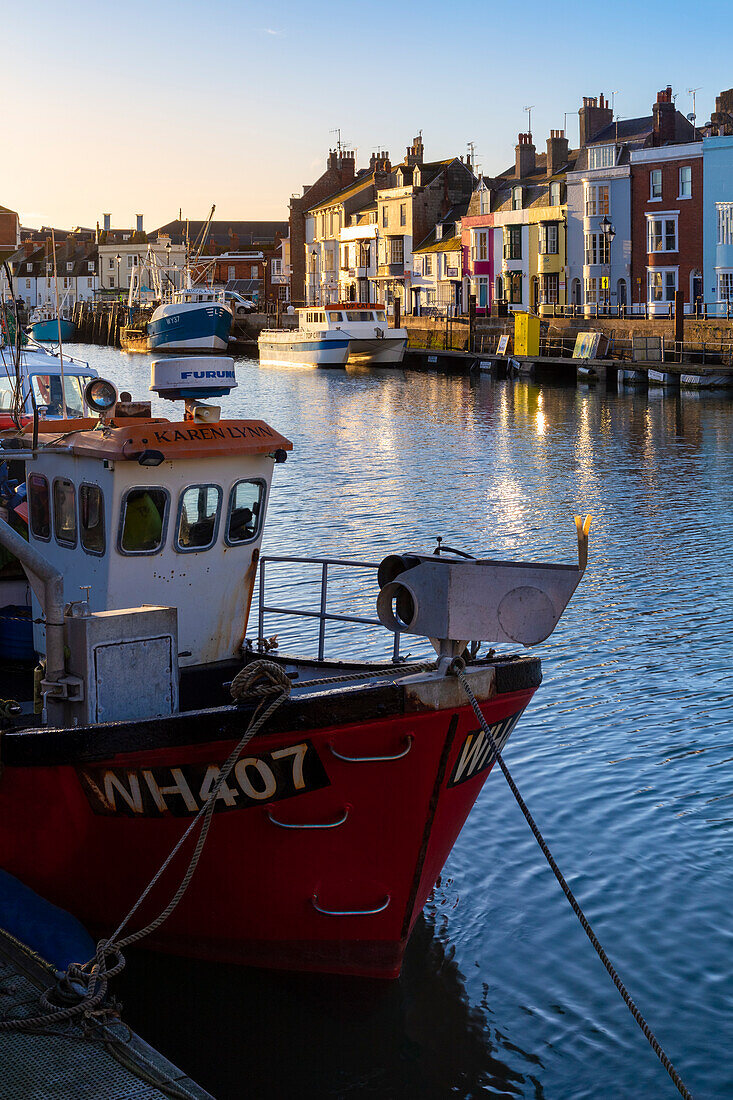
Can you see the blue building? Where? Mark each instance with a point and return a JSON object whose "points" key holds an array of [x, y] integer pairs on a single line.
{"points": [[717, 218]]}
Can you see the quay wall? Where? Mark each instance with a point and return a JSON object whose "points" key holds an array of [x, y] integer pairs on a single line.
{"points": [[428, 332]]}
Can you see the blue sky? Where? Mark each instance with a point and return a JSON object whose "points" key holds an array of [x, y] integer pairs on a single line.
{"points": [[151, 106]]}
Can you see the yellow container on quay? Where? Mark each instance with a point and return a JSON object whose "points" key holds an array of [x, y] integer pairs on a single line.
{"points": [[526, 334]]}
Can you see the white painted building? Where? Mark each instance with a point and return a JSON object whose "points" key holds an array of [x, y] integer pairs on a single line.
{"points": [[118, 260], [597, 274]]}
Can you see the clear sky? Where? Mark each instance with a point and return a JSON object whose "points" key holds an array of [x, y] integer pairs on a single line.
{"points": [[154, 105]]}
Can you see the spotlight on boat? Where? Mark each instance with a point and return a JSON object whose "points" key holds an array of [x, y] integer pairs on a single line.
{"points": [[100, 395], [150, 458]]}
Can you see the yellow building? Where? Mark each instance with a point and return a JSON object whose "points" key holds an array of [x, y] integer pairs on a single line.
{"points": [[529, 206]]}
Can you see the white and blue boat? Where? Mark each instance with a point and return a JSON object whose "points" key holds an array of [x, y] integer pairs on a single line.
{"points": [[334, 335], [49, 328], [193, 319]]}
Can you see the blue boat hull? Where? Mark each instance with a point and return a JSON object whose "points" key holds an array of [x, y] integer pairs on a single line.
{"points": [[48, 331], [203, 328]]}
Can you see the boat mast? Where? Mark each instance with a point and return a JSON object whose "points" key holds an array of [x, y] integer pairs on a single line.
{"points": [[58, 325]]}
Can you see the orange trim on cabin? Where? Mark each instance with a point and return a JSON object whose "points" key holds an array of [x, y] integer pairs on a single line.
{"points": [[175, 439]]}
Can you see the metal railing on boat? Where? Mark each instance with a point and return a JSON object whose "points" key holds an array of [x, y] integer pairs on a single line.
{"points": [[322, 615]]}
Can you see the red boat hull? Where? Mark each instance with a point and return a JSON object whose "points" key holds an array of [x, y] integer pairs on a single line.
{"points": [[315, 862]]}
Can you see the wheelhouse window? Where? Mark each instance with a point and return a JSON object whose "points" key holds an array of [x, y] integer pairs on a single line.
{"points": [[359, 315], [199, 509], [47, 392], [335, 315], [91, 519], [39, 500], [64, 511], [143, 520], [245, 511]]}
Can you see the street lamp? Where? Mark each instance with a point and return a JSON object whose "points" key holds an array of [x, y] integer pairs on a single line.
{"points": [[313, 273], [609, 233], [118, 258]]}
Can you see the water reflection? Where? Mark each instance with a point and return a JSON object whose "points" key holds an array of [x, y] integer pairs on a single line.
{"points": [[261, 1034]]}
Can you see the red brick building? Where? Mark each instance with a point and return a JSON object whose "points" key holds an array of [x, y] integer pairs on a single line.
{"points": [[666, 226], [340, 171]]}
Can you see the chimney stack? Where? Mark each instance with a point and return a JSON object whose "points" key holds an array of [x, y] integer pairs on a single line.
{"points": [[106, 221], [557, 151], [663, 113], [414, 154], [593, 115], [524, 156]]}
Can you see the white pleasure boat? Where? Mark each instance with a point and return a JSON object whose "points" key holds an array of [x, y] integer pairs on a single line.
{"points": [[334, 335]]}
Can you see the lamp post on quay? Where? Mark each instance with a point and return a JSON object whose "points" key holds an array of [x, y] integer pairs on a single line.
{"points": [[118, 258], [609, 233]]}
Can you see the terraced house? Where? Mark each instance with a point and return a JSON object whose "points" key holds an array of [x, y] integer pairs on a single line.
{"points": [[600, 203], [340, 245], [437, 267], [529, 216], [418, 195]]}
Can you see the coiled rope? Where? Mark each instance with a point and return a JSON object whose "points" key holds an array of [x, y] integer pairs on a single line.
{"points": [[457, 668], [90, 980]]}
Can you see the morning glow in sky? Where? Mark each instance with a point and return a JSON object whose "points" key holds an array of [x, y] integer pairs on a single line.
{"points": [[155, 106]]}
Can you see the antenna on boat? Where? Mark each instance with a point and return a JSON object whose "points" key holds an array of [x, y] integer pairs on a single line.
{"points": [[58, 326]]}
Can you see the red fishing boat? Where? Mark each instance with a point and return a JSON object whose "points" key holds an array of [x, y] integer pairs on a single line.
{"points": [[335, 820]]}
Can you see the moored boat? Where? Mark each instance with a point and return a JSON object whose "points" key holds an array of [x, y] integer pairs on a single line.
{"points": [[332, 826], [193, 319], [47, 327], [335, 335]]}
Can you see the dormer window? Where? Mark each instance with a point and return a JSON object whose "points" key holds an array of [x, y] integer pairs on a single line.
{"points": [[29, 267], [70, 267], [602, 156], [439, 232], [417, 176], [516, 198], [484, 201]]}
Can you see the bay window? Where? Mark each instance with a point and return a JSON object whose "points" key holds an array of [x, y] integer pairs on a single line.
{"points": [[725, 286], [661, 284], [597, 202], [725, 222], [661, 234], [548, 240]]}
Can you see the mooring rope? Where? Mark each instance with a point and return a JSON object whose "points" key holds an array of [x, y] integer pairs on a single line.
{"points": [[90, 980], [457, 668]]}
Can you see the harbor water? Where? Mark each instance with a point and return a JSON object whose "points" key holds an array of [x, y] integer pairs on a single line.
{"points": [[625, 755]]}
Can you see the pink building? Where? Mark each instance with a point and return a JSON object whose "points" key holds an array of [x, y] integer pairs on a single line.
{"points": [[478, 254]]}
